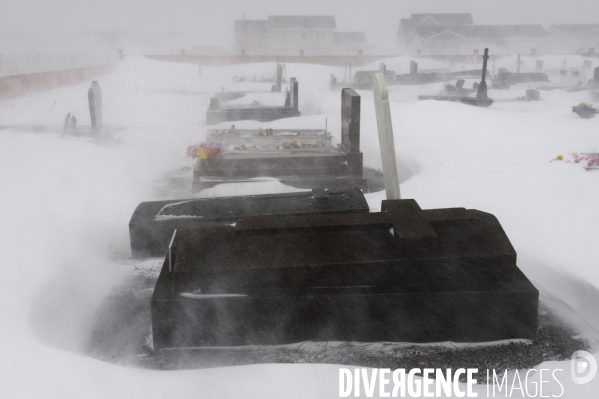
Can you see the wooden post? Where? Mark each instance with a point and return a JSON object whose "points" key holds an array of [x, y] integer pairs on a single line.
{"points": [[386, 141]]}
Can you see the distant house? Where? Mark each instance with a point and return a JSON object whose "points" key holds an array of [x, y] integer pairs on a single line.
{"points": [[407, 34], [293, 35], [351, 43], [574, 38], [463, 39], [457, 34]]}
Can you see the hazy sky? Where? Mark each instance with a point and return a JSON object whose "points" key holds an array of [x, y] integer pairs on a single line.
{"points": [[31, 24]]}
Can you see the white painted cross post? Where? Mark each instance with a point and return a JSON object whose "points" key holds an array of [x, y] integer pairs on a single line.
{"points": [[386, 142]]}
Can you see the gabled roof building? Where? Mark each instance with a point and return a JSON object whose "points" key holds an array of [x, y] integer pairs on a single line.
{"points": [[294, 35], [457, 34], [578, 38]]}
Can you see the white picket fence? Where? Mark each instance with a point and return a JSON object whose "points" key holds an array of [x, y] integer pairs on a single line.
{"points": [[16, 64]]}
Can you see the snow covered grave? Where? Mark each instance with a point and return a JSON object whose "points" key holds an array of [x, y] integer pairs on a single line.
{"points": [[224, 96], [419, 78], [399, 275], [222, 113], [309, 162], [362, 80], [152, 224]]}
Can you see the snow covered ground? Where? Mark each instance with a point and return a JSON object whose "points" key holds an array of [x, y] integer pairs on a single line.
{"points": [[66, 204]]}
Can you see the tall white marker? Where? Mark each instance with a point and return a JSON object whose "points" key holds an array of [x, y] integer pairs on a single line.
{"points": [[386, 142]]}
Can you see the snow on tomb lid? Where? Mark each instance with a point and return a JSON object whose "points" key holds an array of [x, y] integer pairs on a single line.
{"points": [[231, 208]]}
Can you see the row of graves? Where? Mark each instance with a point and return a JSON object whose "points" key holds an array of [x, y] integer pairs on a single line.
{"points": [[318, 265], [364, 80], [585, 110], [224, 96], [459, 94]]}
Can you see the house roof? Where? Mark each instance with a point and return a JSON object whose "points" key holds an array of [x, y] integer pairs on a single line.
{"points": [[575, 29], [444, 19], [484, 31], [349, 37], [251, 26], [405, 26], [302, 22]]}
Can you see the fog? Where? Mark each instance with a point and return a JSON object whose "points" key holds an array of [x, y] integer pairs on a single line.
{"points": [[46, 26]]}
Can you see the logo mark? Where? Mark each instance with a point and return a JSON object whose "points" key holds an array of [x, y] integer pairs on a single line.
{"points": [[584, 367]]}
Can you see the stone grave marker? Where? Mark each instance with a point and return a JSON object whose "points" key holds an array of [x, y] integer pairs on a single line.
{"points": [[533, 95], [386, 140], [94, 96], [539, 65], [460, 84], [413, 67]]}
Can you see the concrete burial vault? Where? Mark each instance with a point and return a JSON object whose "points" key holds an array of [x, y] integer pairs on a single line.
{"points": [[322, 167], [153, 223], [400, 275], [217, 112]]}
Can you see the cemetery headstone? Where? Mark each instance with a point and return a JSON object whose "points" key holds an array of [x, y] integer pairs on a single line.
{"points": [[413, 67], [539, 66], [386, 141], [533, 95], [94, 96], [279, 77], [596, 76], [460, 83], [350, 129]]}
